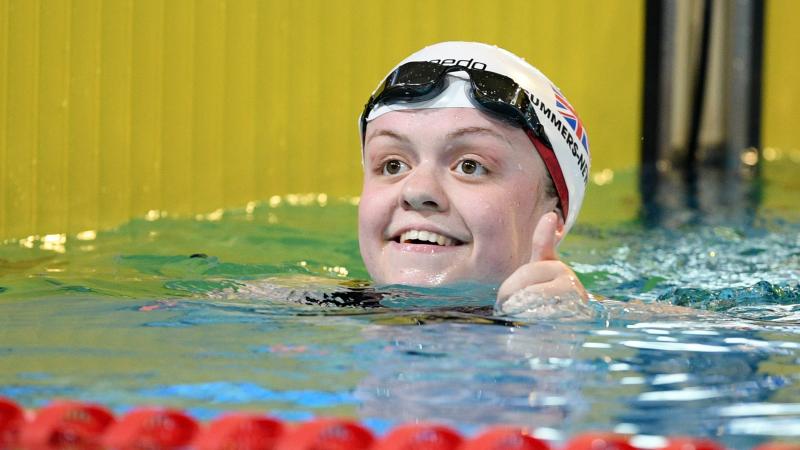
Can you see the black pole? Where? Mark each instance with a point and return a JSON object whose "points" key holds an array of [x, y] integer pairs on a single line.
{"points": [[756, 76], [756, 92], [651, 108], [692, 142], [690, 160]]}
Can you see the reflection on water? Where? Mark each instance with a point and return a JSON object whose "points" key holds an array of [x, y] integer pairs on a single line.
{"points": [[263, 310]]}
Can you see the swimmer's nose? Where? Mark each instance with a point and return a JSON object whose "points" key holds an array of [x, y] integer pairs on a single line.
{"points": [[423, 192]]}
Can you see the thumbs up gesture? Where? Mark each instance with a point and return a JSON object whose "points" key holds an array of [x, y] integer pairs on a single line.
{"points": [[545, 287]]}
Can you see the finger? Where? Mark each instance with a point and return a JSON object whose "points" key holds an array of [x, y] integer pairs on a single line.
{"points": [[545, 238], [529, 274]]}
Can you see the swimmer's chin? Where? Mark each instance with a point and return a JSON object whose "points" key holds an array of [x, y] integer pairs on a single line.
{"points": [[416, 278], [425, 279]]}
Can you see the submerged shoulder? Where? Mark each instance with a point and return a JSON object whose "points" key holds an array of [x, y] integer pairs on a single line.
{"points": [[303, 289]]}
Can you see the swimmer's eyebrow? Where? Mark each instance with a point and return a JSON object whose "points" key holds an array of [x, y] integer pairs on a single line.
{"points": [[388, 133], [455, 134], [466, 131]]}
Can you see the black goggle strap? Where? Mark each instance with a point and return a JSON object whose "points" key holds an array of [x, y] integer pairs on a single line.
{"points": [[516, 98]]}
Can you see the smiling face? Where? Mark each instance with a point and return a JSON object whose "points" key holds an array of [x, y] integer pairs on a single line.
{"points": [[449, 195]]}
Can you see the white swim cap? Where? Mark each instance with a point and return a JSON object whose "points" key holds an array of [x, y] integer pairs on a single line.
{"points": [[569, 160]]}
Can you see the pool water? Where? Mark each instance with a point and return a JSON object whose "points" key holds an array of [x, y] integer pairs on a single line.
{"points": [[238, 310]]}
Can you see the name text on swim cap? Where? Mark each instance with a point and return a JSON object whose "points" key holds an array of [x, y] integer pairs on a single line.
{"points": [[566, 134]]}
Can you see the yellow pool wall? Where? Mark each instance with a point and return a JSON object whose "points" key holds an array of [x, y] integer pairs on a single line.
{"points": [[110, 109]]}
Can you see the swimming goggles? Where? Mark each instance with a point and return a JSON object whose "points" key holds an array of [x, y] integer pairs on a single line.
{"points": [[423, 80]]}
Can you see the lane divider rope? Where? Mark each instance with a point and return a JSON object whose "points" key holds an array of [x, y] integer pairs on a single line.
{"points": [[69, 424]]}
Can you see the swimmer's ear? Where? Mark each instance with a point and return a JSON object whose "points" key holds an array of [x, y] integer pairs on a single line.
{"points": [[560, 226]]}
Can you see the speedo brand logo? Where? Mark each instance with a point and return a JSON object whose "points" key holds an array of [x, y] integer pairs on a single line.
{"points": [[566, 133], [467, 63]]}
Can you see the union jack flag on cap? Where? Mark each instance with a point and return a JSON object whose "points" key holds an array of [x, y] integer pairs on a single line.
{"points": [[568, 113]]}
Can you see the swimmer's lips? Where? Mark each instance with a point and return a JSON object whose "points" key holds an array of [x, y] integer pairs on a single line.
{"points": [[425, 238]]}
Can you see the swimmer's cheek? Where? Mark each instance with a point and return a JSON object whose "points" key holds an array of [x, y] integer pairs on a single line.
{"points": [[542, 289]]}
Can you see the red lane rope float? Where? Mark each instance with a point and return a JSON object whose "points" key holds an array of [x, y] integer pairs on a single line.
{"points": [[778, 446], [327, 434], [421, 437], [11, 420], [151, 428], [599, 441], [241, 432], [65, 424], [505, 438], [76, 425], [687, 443]]}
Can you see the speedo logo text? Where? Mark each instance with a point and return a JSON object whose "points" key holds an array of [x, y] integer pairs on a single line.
{"points": [[466, 63]]}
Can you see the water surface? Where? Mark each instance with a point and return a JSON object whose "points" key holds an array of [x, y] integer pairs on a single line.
{"points": [[184, 312]]}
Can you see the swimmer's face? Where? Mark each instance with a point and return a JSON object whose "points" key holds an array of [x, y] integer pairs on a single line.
{"points": [[471, 183]]}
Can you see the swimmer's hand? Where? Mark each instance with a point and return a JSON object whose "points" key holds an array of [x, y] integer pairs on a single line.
{"points": [[545, 287]]}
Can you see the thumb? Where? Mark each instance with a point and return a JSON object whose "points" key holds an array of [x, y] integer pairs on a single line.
{"points": [[545, 237]]}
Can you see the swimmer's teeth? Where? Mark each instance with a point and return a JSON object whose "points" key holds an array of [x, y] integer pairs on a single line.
{"points": [[428, 236]]}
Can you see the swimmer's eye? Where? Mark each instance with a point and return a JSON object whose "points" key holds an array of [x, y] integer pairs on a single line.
{"points": [[393, 167], [470, 167]]}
